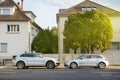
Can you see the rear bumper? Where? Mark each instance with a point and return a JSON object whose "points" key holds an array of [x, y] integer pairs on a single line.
{"points": [[107, 63]]}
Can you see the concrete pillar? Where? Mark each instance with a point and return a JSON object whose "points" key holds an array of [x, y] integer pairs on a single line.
{"points": [[60, 47]]}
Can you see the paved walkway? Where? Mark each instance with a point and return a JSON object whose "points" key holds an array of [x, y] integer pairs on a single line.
{"points": [[61, 66]]}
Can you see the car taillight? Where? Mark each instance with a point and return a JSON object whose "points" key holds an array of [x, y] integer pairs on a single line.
{"points": [[106, 59], [14, 58]]}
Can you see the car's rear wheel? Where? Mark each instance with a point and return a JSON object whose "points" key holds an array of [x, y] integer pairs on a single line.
{"points": [[50, 65], [73, 65], [20, 65], [101, 65]]}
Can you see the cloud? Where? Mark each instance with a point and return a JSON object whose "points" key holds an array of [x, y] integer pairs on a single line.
{"points": [[60, 3]]}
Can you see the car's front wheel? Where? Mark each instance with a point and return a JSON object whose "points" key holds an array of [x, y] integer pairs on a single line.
{"points": [[20, 65], [73, 65], [50, 65], [101, 65]]}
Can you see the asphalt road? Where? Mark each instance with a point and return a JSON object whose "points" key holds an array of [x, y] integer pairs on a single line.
{"points": [[60, 74]]}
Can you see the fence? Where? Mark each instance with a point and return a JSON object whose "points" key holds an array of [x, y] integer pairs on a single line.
{"points": [[114, 59]]}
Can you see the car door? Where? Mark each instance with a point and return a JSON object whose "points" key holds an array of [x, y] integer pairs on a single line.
{"points": [[29, 60], [38, 61], [94, 60], [91, 60], [97, 59], [84, 60]]}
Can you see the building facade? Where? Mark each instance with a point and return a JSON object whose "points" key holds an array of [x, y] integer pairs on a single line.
{"points": [[87, 5], [17, 29]]}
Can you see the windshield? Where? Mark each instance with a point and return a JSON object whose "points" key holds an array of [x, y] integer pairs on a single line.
{"points": [[80, 57]]}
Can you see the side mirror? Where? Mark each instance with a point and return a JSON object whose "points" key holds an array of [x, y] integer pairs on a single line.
{"points": [[81, 58]]}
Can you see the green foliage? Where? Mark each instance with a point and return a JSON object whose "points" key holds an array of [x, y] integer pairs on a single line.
{"points": [[91, 30], [46, 41]]}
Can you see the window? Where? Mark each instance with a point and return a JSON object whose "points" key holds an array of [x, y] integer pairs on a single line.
{"points": [[13, 28], [94, 8], [115, 46], [32, 31], [3, 47], [116, 31], [6, 11], [83, 8], [88, 8]]}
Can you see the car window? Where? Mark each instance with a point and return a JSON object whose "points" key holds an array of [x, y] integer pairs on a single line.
{"points": [[36, 55], [27, 55], [96, 57], [84, 57]]}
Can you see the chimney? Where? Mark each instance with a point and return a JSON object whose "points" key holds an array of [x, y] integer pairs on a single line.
{"points": [[22, 4], [0, 1], [18, 4]]}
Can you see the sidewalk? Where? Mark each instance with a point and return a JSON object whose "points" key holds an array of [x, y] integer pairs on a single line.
{"points": [[59, 67], [113, 67]]}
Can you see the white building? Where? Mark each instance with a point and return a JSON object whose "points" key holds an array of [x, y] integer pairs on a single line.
{"points": [[84, 6], [17, 29]]}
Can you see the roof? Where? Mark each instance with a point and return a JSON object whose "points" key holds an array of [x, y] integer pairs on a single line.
{"points": [[37, 26], [18, 15], [30, 12], [7, 3], [77, 8]]}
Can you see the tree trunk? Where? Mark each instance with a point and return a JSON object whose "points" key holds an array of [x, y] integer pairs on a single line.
{"points": [[92, 50], [88, 50], [75, 51]]}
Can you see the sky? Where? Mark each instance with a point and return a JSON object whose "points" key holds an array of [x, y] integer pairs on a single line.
{"points": [[46, 10]]}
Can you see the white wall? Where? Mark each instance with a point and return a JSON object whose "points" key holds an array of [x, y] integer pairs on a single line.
{"points": [[33, 33], [17, 43], [115, 21]]}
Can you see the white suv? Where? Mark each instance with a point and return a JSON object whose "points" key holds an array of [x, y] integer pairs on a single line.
{"points": [[26, 60], [94, 60]]}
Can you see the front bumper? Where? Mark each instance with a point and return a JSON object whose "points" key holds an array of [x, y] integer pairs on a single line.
{"points": [[66, 65], [57, 64]]}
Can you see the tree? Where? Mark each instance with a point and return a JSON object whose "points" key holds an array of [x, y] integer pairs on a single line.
{"points": [[46, 41], [91, 30], [54, 33]]}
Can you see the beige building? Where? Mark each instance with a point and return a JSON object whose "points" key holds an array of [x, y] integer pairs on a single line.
{"points": [[86, 6]]}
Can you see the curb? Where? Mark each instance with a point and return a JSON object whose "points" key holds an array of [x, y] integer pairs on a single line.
{"points": [[113, 67], [59, 67]]}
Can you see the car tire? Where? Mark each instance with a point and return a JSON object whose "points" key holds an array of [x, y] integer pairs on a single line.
{"points": [[20, 65], [101, 65], [50, 65], [73, 65]]}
